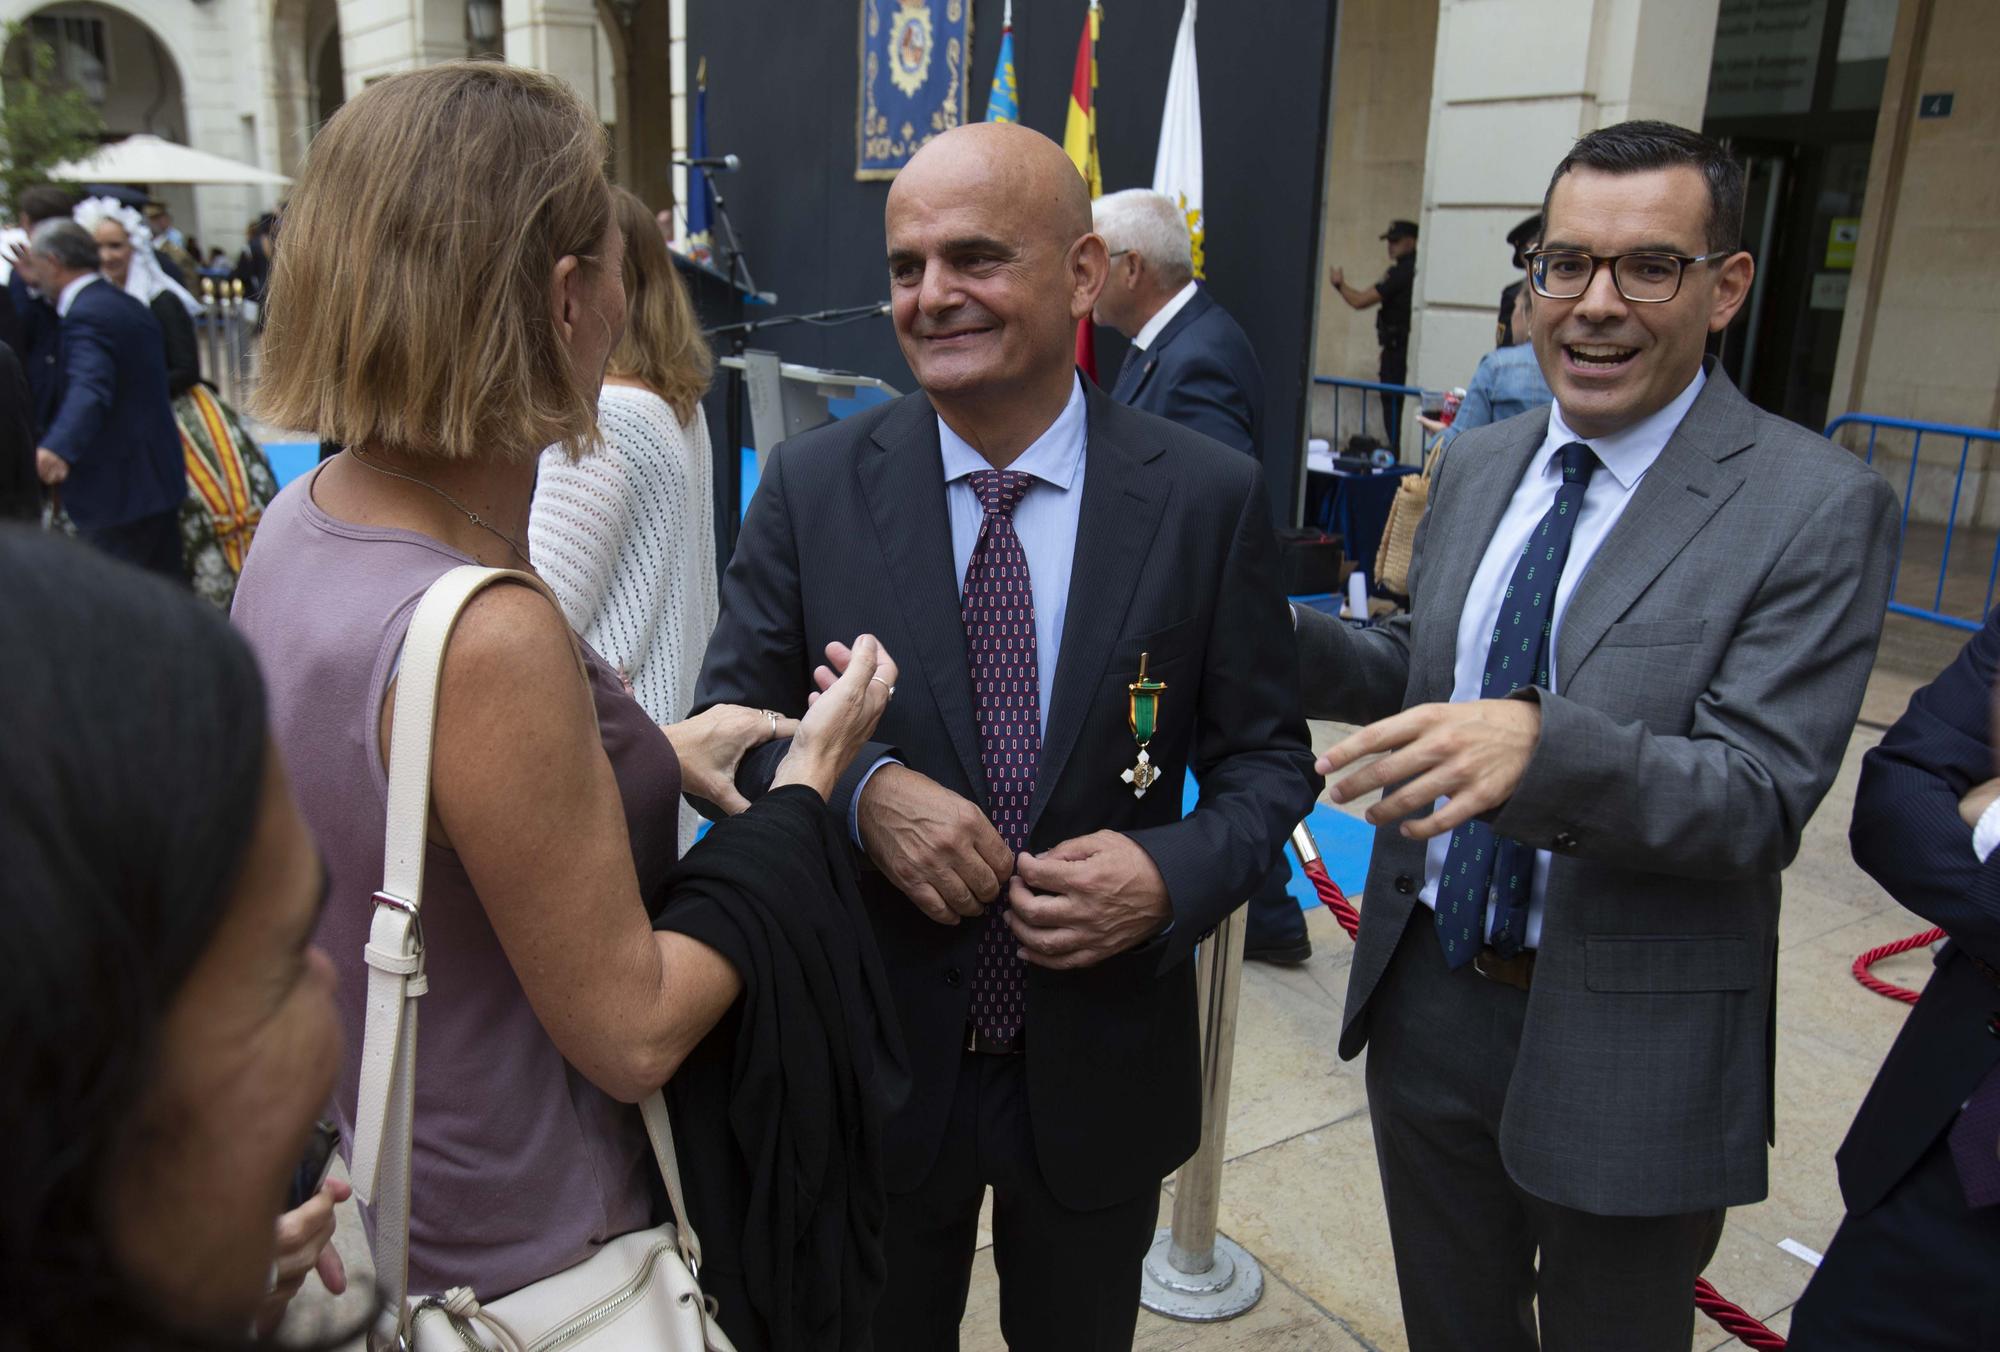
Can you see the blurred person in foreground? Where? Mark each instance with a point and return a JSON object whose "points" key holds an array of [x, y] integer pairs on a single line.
{"points": [[111, 447], [1086, 601], [1914, 1262], [625, 536], [444, 305], [1640, 626], [170, 1043], [229, 480]]}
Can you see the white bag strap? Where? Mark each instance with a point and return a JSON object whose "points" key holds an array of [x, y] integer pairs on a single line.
{"points": [[395, 951]]}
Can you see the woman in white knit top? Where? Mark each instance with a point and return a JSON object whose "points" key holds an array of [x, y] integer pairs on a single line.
{"points": [[626, 536]]}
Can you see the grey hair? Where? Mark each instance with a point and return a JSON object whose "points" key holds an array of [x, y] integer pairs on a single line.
{"points": [[1151, 225], [67, 244]]}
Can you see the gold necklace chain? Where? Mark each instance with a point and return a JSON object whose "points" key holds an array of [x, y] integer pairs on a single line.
{"points": [[470, 515]]}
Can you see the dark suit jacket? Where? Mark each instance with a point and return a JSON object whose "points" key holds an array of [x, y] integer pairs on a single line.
{"points": [[20, 486], [849, 533], [114, 423], [1200, 372], [1709, 669], [37, 350], [1909, 837]]}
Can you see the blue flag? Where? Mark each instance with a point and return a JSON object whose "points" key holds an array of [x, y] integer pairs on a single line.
{"points": [[1003, 104], [700, 245]]}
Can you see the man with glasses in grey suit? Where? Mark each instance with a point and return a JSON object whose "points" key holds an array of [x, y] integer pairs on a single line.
{"points": [[1641, 620]]}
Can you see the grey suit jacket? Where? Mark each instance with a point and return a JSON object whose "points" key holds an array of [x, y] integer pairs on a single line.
{"points": [[1711, 664]]}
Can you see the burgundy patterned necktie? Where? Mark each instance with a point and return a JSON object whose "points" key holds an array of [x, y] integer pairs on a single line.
{"points": [[999, 609]]}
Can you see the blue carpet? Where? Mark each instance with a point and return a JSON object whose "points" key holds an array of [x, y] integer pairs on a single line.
{"points": [[290, 459], [1344, 842]]}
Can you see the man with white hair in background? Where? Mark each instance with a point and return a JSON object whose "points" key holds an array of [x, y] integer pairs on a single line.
{"points": [[111, 446], [1191, 363]]}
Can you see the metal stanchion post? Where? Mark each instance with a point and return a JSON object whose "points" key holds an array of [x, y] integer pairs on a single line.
{"points": [[235, 333], [1191, 1272], [211, 323]]}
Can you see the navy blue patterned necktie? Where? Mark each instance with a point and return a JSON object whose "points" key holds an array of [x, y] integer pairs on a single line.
{"points": [[999, 611], [1479, 864]]}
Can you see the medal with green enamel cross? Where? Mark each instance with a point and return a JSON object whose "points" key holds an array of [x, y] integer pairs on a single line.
{"points": [[1143, 713]]}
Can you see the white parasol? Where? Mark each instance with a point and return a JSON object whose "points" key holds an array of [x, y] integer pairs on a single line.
{"points": [[150, 160]]}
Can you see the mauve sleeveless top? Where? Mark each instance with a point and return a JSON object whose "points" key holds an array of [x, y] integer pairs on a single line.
{"points": [[520, 1164]]}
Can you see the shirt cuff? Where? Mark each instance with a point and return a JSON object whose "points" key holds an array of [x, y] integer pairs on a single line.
{"points": [[1987, 833], [854, 806]]}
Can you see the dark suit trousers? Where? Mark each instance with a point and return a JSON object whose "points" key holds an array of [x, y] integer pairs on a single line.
{"points": [[1441, 1049], [1394, 370], [1918, 1272], [1069, 1280], [151, 542]]}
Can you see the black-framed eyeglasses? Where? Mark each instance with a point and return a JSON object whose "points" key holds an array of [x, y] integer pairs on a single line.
{"points": [[1644, 278]]}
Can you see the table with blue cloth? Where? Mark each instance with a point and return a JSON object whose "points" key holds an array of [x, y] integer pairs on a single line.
{"points": [[1354, 504]]}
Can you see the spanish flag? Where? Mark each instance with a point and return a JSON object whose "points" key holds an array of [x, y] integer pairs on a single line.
{"points": [[1080, 140]]}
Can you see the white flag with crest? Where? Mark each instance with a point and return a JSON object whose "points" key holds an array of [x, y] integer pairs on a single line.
{"points": [[1177, 168]]}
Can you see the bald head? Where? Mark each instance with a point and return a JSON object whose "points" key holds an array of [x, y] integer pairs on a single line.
{"points": [[1008, 163], [992, 261]]}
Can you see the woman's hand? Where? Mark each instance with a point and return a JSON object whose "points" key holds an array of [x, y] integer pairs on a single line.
{"points": [[854, 689], [305, 1242], [711, 745]]}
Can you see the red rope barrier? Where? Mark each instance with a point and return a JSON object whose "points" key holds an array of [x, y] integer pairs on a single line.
{"points": [[1733, 1318], [1333, 898], [1875, 955]]}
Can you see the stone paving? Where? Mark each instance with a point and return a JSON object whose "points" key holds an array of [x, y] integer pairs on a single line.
{"points": [[1300, 1189]]}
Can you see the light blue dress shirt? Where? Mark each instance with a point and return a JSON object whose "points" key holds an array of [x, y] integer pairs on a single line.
{"points": [[1624, 457], [1046, 522]]}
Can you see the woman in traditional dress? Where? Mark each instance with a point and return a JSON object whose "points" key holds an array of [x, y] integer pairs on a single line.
{"points": [[229, 480]]}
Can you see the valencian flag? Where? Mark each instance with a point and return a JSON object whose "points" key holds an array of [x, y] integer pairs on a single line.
{"points": [[1003, 103], [701, 245], [1177, 167], [1080, 140]]}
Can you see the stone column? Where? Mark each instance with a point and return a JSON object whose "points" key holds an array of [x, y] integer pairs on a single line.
{"points": [[378, 37], [1516, 82]]}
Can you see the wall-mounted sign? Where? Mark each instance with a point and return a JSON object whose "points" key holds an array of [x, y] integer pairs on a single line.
{"points": [[1841, 237], [1934, 105], [1766, 57], [1829, 291], [914, 55]]}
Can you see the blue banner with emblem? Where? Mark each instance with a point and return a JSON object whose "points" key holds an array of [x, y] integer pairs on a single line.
{"points": [[914, 59]]}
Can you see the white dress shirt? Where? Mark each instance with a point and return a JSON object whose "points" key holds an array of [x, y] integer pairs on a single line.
{"points": [[1623, 459], [68, 296], [1163, 317]]}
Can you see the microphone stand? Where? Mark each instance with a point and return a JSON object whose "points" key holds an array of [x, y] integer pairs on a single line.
{"points": [[739, 339]]}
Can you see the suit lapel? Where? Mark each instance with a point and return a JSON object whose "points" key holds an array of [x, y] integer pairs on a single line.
{"points": [[1485, 481], [903, 482], [1134, 380], [1114, 534], [1684, 488]]}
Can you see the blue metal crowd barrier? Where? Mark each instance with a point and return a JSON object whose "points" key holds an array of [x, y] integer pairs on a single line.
{"points": [[1918, 430], [1367, 387]]}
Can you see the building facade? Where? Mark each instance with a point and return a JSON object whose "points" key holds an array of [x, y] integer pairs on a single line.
{"points": [[253, 79], [1871, 136]]}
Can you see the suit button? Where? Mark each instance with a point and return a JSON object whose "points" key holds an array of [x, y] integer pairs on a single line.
{"points": [[952, 976], [1564, 841], [1404, 884]]}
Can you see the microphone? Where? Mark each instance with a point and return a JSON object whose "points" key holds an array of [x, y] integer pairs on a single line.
{"points": [[714, 164]]}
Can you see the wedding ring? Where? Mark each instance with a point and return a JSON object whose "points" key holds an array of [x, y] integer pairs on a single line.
{"points": [[877, 680], [772, 714]]}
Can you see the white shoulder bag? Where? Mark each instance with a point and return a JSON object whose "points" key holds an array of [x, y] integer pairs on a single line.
{"points": [[638, 1290]]}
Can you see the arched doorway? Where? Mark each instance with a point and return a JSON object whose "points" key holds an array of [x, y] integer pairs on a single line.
{"points": [[121, 65]]}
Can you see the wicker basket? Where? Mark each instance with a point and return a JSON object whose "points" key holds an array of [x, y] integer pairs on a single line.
{"points": [[1399, 533]]}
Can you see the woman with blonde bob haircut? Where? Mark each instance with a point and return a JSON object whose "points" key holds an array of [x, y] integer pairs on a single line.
{"points": [[626, 535], [446, 293]]}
